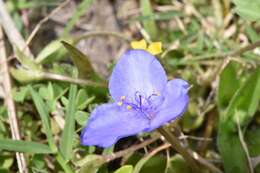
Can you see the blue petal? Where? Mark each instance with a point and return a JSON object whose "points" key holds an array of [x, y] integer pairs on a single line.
{"points": [[175, 103], [110, 122], [137, 70]]}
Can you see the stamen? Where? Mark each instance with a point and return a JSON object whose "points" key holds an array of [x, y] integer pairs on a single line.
{"points": [[119, 103], [140, 100], [122, 98], [129, 107]]}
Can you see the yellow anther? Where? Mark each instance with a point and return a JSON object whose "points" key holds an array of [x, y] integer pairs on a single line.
{"points": [[155, 48], [129, 107], [139, 44], [122, 98], [119, 103]]}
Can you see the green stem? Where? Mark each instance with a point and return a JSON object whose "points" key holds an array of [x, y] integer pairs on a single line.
{"points": [[63, 164], [179, 148]]}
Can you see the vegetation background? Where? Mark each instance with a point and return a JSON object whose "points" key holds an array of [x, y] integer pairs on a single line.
{"points": [[49, 87]]}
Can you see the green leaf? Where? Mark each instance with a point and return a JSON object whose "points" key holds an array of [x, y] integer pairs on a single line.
{"points": [[26, 61], [191, 119], [52, 52], [244, 103], [252, 138], [38, 162], [15, 5], [80, 60], [6, 161], [90, 163], [228, 85], [25, 75], [178, 165], [148, 159], [64, 101], [242, 107], [81, 117], [24, 146], [149, 24], [154, 164], [20, 94], [252, 34], [81, 99], [125, 169], [232, 153], [44, 114], [47, 92], [63, 163], [67, 138], [248, 9]]}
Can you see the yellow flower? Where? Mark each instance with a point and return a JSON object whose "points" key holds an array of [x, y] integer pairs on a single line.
{"points": [[154, 48]]}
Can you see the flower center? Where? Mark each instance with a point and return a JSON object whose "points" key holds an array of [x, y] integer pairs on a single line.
{"points": [[141, 103]]}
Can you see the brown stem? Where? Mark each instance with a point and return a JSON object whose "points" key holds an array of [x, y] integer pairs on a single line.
{"points": [[177, 146], [189, 155], [122, 153], [58, 77], [245, 49]]}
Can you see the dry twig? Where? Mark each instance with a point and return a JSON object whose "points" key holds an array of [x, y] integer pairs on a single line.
{"points": [[11, 31], [10, 104], [45, 19]]}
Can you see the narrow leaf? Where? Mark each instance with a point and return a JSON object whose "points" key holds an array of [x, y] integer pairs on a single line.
{"points": [[63, 164], [228, 85], [67, 138], [25, 75], [24, 146], [80, 60], [41, 108], [125, 169], [52, 52], [149, 24]]}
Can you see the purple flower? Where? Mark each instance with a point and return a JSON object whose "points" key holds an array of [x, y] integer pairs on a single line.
{"points": [[144, 100]]}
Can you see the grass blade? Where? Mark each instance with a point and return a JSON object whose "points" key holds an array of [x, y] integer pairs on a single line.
{"points": [[41, 108], [67, 138], [149, 24], [63, 164], [24, 146]]}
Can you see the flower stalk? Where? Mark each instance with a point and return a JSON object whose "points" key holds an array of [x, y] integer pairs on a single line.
{"points": [[179, 148]]}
